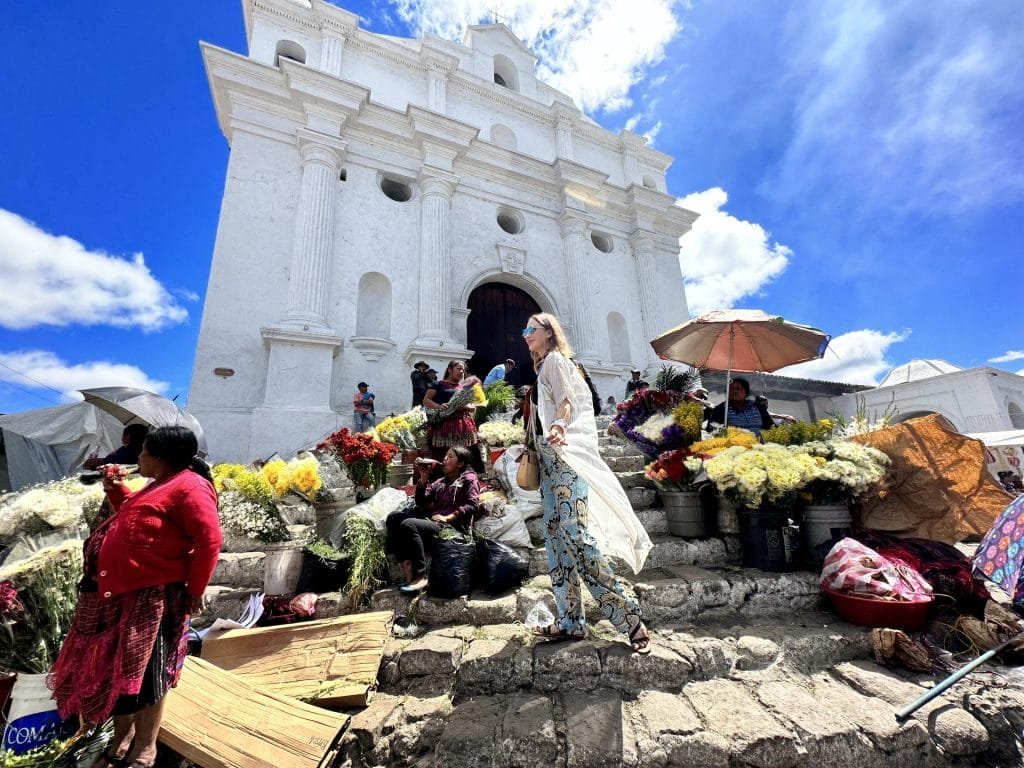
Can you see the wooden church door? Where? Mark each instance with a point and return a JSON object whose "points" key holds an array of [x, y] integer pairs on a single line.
{"points": [[494, 331]]}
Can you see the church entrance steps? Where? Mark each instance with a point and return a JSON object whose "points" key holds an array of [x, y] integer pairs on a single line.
{"points": [[786, 695], [626, 463], [634, 479]]}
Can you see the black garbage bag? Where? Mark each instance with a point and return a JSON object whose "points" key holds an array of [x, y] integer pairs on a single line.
{"points": [[451, 566], [501, 567]]}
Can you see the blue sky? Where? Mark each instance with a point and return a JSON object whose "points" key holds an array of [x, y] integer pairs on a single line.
{"points": [[859, 166]]}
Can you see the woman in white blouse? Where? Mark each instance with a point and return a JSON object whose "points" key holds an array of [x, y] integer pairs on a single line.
{"points": [[587, 515]]}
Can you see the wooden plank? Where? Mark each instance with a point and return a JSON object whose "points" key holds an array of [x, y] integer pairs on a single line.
{"points": [[332, 662], [218, 720]]}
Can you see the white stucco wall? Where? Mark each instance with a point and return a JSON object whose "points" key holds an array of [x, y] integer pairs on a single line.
{"points": [[262, 112]]}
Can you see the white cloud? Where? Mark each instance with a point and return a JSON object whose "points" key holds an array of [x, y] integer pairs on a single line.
{"points": [[724, 258], [857, 357], [652, 133], [593, 50], [42, 368], [904, 106], [55, 280], [1012, 354]]}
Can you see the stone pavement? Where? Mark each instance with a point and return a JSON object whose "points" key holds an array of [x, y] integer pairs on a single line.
{"points": [[748, 668]]}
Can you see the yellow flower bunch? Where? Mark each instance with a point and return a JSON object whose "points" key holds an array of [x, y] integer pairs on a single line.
{"points": [[276, 472], [304, 476], [734, 437], [688, 415], [478, 395], [798, 433], [761, 473], [398, 431], [250, 483]]}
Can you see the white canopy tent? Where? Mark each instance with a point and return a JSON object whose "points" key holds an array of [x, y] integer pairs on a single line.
{"points": [[1005, 450], [50, 443]]}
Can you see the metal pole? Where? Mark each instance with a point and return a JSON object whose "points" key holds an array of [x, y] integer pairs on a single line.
{"points": [[961, 673], [728, 376]]}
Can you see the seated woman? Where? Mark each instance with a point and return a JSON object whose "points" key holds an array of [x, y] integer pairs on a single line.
{"points": [[453, 499], [743, 412]]}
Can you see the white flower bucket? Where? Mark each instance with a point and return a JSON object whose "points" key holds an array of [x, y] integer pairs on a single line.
{"points": [[33, 721], [282, 567], [823, 523]]}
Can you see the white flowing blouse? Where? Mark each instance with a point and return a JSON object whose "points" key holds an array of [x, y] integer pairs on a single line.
{"points": [[611, 520]]}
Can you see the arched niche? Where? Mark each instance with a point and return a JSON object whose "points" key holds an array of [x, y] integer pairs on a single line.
{"points": [[505, 72], [289, 49], [618, 338], [503, 136], [650, 182], [373, 316]]}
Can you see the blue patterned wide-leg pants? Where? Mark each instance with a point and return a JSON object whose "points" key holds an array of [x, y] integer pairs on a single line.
{"points": [[573, 555]]}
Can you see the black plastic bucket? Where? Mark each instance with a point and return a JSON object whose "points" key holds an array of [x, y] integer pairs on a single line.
{"points": [[763, 539]]}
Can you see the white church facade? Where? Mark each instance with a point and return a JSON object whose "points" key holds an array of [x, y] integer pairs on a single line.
{"points": [[391, 200]]}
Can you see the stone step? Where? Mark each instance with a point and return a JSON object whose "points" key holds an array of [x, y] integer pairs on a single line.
{"points": [[652, 518], [634, 479], [626, 463], [667, 551]]}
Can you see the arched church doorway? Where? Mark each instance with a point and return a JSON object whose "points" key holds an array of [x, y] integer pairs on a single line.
{"points": [[497, 316]]}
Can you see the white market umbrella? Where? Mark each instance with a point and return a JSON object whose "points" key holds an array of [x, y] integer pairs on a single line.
{"points": [[740, 340]]}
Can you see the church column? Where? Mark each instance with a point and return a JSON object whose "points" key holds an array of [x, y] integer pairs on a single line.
{"points": [[564, 119], [643, 255], [574, 247], [309, 275], [435, 256]]}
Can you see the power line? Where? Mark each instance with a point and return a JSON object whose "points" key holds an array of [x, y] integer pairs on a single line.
{"points": [[26, 376], [29, 392]]}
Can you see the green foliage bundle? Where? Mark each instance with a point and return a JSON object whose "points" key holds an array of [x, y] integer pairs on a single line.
{"points": [[501, 397], [366, 546], [798, 432], [672, 379]]}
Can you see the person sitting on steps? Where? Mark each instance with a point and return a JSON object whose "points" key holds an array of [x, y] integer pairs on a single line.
{"points": [[453, 499]]}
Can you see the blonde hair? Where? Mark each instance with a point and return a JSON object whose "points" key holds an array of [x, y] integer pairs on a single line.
{"points": [[557, 341]]}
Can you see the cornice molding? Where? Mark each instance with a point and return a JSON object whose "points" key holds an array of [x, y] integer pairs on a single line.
{"points": [[287, 11], [280, 334]]}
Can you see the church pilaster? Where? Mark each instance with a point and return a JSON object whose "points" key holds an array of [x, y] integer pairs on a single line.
{"points": [[563, 122], [643, 254], [332, 50], [309, 276], [574, 248], [436, 191]]}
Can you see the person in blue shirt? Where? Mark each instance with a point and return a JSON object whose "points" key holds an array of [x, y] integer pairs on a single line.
{"points": [[500, 371], [743, 412]]}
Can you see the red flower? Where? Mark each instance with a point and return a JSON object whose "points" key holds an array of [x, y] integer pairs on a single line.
{"points": [[11, 607]]}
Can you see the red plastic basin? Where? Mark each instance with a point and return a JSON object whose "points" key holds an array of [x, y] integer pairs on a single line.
{"points": [[875, 612]]}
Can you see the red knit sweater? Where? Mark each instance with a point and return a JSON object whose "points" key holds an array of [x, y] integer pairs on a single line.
{"points": [[165, 533]]}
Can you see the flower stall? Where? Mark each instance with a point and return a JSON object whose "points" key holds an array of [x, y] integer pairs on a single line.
{"points": [[365, 459], [499, 435]]}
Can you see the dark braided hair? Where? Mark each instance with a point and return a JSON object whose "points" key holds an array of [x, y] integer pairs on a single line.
{"points": [[178, 447]]}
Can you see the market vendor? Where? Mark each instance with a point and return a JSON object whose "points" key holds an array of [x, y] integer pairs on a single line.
{"points": [[457, 428], [132, 438], [452, 500], [743, 412], [146, 569]]}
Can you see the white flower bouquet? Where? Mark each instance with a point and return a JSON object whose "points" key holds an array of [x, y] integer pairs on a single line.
{"points": [[502, 434], [49, 507], [242, 517], [843, 472]]}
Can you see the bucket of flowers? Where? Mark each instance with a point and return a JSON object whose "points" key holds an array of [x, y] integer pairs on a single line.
{"points": [[678, 474], [247, 504], [401, 430], [844, 472], [366, 460]]}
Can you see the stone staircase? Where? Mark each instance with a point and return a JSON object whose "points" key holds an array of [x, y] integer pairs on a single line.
{"points": [[748, 668]]}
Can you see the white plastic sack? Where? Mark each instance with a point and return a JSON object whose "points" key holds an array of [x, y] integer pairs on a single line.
{"points": [[380, 505], [527, 503], [503, 523]]}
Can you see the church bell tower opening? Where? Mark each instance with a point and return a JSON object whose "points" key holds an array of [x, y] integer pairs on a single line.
{"points": [[494, 331]]}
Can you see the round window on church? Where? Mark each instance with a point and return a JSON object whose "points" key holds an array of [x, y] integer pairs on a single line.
{"points": [[511, 221], [602, 242], [396, 190]]}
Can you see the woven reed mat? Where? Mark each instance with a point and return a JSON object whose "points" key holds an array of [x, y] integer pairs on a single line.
{"points": [[331, 663], [217, 720]]}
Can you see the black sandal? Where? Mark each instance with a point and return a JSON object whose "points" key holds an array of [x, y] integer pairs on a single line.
{"points": [[554, 633], [640, 644]]}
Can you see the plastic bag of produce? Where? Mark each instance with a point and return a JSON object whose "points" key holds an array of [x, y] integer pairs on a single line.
{"points": [[451, 566], [501, 567]]}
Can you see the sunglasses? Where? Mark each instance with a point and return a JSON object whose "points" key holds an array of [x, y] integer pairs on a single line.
{"points": [[528, 330]]}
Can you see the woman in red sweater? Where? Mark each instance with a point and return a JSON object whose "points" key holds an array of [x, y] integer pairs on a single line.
{"points": [[146, 570]]}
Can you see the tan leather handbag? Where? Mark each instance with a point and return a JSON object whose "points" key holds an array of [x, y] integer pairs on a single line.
{"points": [[528, 472]]}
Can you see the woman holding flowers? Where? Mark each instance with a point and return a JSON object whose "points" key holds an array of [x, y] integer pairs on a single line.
{"points": [[146, 570], [451, 500], [456, 426], [586, 513]]}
